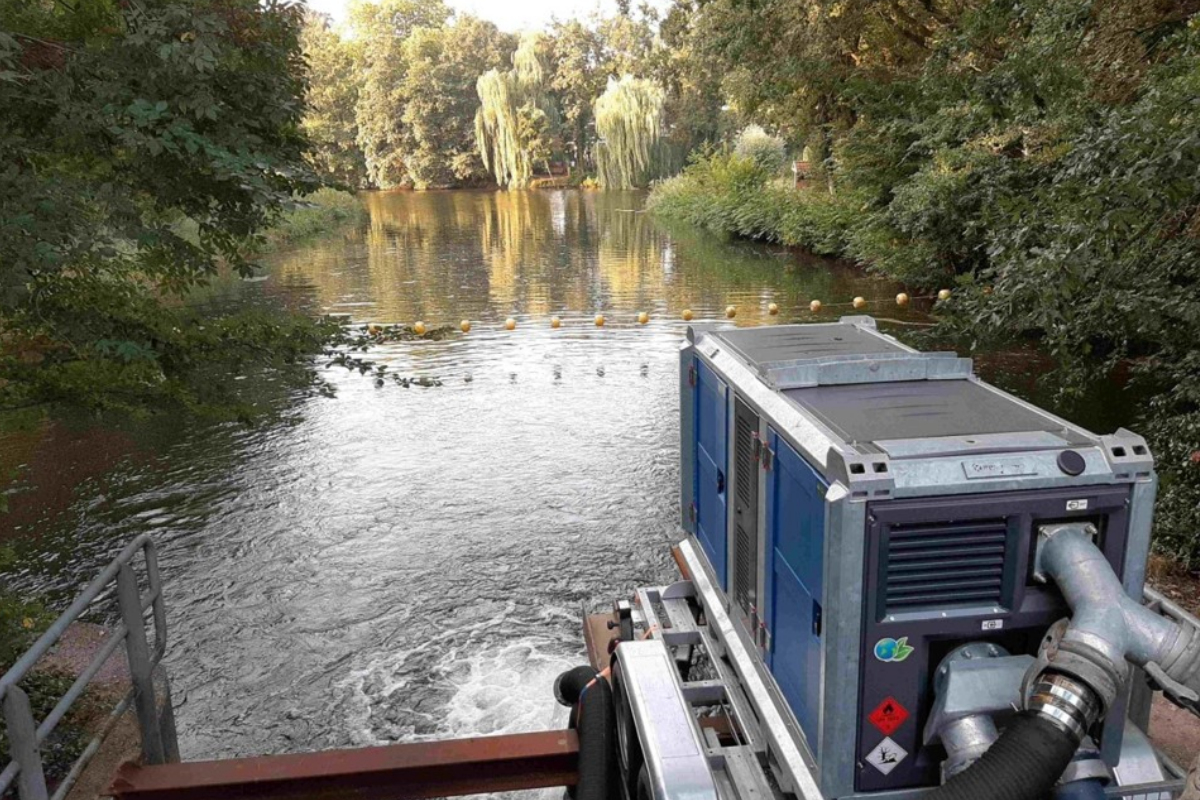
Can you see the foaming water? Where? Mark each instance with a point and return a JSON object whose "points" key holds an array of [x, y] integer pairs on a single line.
{"points": [[394, 564]]}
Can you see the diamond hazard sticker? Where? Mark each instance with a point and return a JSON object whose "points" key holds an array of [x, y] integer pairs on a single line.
{"points": [[886, 756], [888, 716]]}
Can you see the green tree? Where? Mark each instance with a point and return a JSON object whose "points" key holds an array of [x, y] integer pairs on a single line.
{"points": [[330, 120], [142, 145], [629, 124], [517, 121], [439, 100], [577, 78], [380, 30]]}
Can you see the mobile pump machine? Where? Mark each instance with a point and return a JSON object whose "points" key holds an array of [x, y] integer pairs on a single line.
{"points": [[900, 581]]}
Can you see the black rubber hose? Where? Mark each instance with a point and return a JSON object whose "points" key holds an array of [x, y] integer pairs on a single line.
{"points": [[1023, 764], [569, 685], [597, 745]]}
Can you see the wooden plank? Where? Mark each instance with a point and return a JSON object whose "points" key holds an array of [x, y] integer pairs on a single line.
{"points": [[394, 772]]}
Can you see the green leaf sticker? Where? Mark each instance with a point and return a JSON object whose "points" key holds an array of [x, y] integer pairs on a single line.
{"points": [[893, 649]]}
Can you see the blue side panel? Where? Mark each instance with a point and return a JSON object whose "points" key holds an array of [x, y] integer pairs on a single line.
{"points": [[712, 435], [796, 534]]}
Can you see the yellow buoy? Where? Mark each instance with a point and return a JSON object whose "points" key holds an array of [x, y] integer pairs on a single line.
{"points": [[643, 318], [902, 299], [373, 330], [555, 322], [599, 320], [860, 302], [687, 315], [773, 309], [815, 305], [944, 294], [510, 324], [730, 311], [465, 325], [419, 328]]}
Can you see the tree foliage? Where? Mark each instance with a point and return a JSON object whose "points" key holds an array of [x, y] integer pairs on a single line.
{"points": [[331, 118], [142, 145], [516, 120], [380, 30], [439, 101], [629, 124]]}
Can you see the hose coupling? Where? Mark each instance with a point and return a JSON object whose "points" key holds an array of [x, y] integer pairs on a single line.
{"points": [[1068, 703]]}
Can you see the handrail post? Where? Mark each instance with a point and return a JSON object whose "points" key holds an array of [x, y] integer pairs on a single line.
{"points": [[140, 668], [22, 742]]}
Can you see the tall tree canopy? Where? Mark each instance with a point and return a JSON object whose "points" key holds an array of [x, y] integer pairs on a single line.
{"points": [[141, 145], [516, 122], [331, 119], [380, 30], [439, 100], [629, 124]]}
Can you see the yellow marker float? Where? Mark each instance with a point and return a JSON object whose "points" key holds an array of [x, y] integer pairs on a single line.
{"points": [[815, 306], [944, 294], [510, 324], [687, 315], [465, 326], [730, 312], [772, 309], [643, 318], [419, 328], [860, 302], [599, 320], [555, 322], [902, 299]]}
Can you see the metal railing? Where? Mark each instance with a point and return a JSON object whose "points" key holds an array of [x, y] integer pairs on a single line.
{"points": [[159, 741]]}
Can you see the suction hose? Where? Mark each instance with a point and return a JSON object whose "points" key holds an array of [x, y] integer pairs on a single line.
{"points": [[1023, 764], [593, 716]]}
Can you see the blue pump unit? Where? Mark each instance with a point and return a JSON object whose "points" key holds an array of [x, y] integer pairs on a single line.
{"points": [[866, 509]]}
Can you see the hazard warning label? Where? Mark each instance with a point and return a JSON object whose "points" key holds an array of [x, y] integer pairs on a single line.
{"points": [[886, 756], [888, 716]]}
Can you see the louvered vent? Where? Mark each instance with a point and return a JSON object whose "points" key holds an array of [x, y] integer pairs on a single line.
{"points": [[745, 556], [945, 564]]}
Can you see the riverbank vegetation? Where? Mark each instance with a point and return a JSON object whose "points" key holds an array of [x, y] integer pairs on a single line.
{"points": [[145, 146], [1041, 157]]}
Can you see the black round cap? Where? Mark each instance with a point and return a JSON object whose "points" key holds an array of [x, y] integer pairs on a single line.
{"points": [[1071, 462]]}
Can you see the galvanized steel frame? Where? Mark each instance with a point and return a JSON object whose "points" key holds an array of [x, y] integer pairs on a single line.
{"points": [[159, 739]]}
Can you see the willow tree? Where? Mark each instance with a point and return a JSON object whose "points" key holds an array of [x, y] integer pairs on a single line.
{"points": [[517, 119], [628, 124]]}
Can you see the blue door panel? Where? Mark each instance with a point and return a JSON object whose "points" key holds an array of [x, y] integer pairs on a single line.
{"points": [[803, 502], [796, 533], [712, 434], [797, 651]]}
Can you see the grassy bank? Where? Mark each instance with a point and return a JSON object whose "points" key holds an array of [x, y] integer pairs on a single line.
{"points": [[324, 211]]}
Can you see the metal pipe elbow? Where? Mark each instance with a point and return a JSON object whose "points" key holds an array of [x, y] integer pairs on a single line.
{"points": [[1107, 627]]}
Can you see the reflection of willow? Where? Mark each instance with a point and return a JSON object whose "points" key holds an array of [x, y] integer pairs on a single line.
{"points": [[630, 253], [444, 256], [525, 236]]}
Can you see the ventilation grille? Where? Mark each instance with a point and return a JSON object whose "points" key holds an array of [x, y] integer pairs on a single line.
{"points": [[745, 556], [945, 564]]}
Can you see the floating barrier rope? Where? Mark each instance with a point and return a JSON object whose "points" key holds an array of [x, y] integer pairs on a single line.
{"points": [[903, 299]]}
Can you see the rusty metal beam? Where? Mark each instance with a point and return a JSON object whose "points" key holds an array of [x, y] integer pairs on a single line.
{"points": [[393, 772], [681, 562]]}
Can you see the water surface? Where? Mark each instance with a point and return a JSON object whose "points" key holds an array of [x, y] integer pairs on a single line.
{"points": [[390, 563]]}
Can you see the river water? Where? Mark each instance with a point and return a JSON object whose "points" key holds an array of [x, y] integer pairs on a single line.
{"points": [[396, 563]]}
